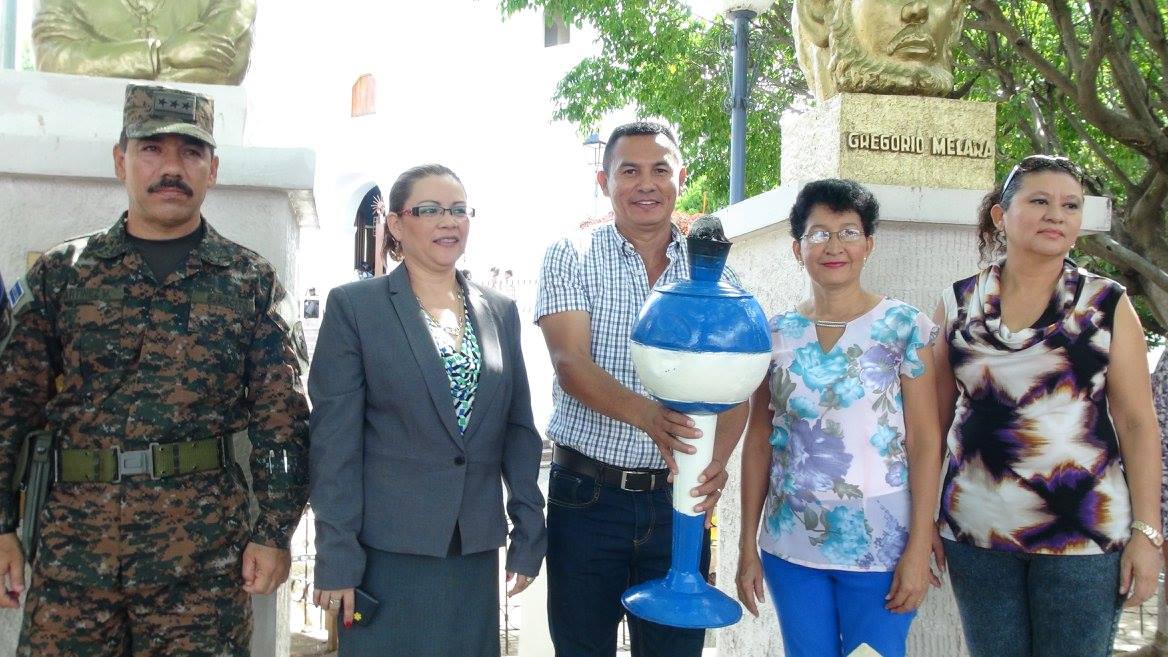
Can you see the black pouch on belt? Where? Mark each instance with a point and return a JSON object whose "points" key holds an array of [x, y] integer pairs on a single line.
{"points": [[34, 475]]}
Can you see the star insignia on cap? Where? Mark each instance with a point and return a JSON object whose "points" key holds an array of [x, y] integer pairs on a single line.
{"points": [[187, 105], [174, 104]]}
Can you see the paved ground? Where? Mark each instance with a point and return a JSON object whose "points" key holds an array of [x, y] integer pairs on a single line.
{"points": [[1137, 630]]}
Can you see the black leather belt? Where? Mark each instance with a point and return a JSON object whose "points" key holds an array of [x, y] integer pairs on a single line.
{"points": [[634, 480]]}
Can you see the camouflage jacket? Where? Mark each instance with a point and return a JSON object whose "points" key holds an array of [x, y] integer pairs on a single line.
{"points": [[105, 356]]}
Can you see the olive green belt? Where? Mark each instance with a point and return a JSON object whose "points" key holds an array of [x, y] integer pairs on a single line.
{"points": [[157, 461]]}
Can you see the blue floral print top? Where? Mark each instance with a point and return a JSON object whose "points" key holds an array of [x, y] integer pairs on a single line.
{"points": [[838, 492]]}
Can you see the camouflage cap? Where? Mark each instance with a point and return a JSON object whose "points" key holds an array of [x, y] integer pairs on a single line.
{"points": [[160, 110]]}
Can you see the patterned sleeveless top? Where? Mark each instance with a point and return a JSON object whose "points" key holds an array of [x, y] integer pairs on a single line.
{"points": [[462, 365], [1034, 463]]}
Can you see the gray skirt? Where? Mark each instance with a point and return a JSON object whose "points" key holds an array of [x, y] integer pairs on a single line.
{"points": [[429, 607]]}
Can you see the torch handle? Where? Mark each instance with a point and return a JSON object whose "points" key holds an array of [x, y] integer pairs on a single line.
{"points": [[689, 466]]}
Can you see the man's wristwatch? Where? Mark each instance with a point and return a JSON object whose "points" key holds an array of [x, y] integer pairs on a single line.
{"points": [[1144, 528]]}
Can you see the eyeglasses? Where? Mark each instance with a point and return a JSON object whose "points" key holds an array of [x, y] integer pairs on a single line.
{"points": [[436, 211], [846, 235], [1043, 163]]}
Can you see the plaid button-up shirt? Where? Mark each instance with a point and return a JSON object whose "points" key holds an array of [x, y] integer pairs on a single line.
{"points": [[603, 275]]}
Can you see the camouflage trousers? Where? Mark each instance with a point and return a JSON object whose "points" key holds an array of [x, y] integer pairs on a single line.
{"points": [[198, 617]]}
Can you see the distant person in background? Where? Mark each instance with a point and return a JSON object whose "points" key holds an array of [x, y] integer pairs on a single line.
{"points": [[311, 304], [421, 415], [507, 286], [493, 281]]}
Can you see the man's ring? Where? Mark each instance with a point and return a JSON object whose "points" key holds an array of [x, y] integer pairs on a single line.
{"points": [[333, 603]]}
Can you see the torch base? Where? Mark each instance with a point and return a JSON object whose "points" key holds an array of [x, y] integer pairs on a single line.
{"points": [[683, 598], [658, 602]]}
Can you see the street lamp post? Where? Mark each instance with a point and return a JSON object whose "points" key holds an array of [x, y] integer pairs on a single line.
{"points": [[740, 12], [593, 139]]}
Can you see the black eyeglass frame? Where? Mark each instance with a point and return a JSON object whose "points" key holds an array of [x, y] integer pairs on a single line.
{"points": [[467, 213]]}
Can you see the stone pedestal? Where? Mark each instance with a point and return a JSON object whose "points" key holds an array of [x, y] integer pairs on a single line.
{"points": [[926, 240], [891, 140], [57, 134]]}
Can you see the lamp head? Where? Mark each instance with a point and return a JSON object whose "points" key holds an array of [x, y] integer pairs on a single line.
{"points": [[728, 7]]}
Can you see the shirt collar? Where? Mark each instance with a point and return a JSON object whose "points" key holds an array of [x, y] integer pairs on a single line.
{"points": [[213, 248], [675, 247]]}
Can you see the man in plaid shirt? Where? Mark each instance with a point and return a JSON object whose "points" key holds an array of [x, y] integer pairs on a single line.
{"points": [[610, 513]]}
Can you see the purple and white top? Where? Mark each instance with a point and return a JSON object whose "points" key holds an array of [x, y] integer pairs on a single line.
{"points": [[1034, 463], [838, 493]]}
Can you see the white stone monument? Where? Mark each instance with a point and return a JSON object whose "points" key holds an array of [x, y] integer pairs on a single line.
{"points": [[929, 161], [57, 181]]}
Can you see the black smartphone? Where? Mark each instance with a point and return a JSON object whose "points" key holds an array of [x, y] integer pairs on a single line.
{"points": [[364, 607]]}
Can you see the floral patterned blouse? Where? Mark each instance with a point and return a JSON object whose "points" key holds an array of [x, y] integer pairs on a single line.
{"points": [[838, 493]]}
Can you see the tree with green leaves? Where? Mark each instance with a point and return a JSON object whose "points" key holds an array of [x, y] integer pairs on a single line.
{"points": [[1086, 80]]}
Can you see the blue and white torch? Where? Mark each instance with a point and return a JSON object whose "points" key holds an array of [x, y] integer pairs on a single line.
{"points": [[700, 347]]}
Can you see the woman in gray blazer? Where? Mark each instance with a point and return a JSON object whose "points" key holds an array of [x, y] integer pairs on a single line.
{"points": [[420, 414]]}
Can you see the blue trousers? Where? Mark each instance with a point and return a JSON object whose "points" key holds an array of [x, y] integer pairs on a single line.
{"points": [[829, 613], [602, 540], [1035, 605]]}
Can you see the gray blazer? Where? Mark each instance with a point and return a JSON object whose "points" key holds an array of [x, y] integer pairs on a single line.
{"points": [[390, 469]]}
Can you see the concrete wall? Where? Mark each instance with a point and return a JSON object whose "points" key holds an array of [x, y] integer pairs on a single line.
{"points": [[38, 212]]}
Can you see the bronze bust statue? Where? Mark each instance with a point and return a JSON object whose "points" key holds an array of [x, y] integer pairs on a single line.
{"points": [[878, 46], [206, 41]]}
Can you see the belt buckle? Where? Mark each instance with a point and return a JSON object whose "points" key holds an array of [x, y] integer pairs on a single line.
{"points": [[135, 462], [624, 481]]}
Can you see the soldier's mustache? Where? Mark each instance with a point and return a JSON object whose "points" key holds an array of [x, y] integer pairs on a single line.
{"points": [[175, 183]]}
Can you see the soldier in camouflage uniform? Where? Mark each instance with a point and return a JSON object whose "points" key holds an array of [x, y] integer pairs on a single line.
{"points": [[144, 349]]}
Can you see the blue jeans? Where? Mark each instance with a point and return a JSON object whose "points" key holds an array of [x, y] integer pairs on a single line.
{"points": [[602, 540], [829, 613], [1035, 605]]}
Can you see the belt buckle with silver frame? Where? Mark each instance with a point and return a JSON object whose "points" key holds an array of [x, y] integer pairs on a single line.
{"points": [[624, 481]]}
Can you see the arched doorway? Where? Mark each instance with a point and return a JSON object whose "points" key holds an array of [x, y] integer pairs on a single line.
{"points": [[368, 260]]}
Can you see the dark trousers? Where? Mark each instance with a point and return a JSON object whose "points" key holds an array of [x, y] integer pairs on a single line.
{"points": [[601, 540], [1035, 605]]}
